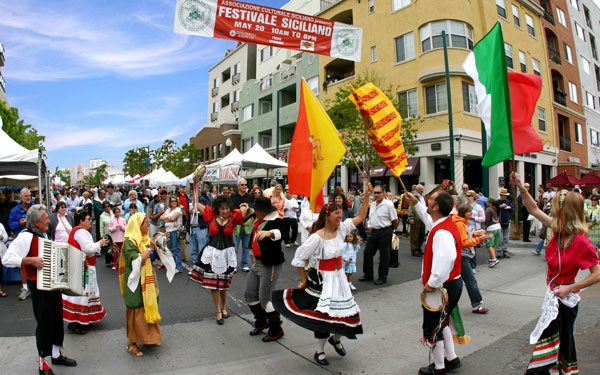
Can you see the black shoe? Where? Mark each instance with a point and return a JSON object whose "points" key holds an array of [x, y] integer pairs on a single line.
{"points": [[381, 280], [46, 372], [431, 370], [395, 265], [453, 364], [77, 328], [64, 361], [366, 278], [324, 361], [339, 348], [526, 240]]}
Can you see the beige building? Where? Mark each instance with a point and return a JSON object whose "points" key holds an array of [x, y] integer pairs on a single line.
{"points": [[402, 42]]}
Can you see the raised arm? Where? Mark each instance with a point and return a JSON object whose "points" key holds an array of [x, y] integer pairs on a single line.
{"points": [[529, 202], [362, 212]]}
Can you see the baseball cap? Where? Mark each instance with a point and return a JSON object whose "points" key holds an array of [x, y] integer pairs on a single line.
{"points": [[154, 192], [181, 185]]}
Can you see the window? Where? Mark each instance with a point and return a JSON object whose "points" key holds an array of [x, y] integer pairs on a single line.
{"points": [[562, 19], [530, 25], [578, 133], [469, 98], [214, 151], [458, 35], [266, 82], [516, 16], [593, 45], [399, 4], [575, 4], [313, 83], [579, 31], [373, 54], [501, 8], [541, 119], [597, 71], [237, 68], [265, 140], [509, 56], [568, 53], [588, 19], [215, 107], [435, 98], [594, 137], [590, 100], [247, 144], [537, 70], [266, 53], [405, 47], [220, 150], [573, 92], [248, 112], [564, 133], [409, 105], [523, 61], [216, 82], [236, 95], [371, 6], [585, 64]]}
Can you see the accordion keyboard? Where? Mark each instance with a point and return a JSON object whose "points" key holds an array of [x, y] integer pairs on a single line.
{"points": [[49, 265]]}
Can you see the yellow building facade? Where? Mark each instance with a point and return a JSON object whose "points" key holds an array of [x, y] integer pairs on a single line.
{"points": [[402, 43]]}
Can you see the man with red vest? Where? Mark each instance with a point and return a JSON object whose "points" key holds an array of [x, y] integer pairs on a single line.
{"points": [[441, 268], [47, 305]]}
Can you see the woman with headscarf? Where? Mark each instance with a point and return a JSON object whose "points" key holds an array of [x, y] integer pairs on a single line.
{"points": [[569, 252], [137, 283], [81, 311]]}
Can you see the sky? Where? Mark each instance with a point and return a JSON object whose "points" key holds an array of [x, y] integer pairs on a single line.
{"points": [[98, 78]]}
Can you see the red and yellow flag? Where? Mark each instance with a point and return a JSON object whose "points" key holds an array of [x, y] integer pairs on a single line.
{"points": [[316, 149], [383, 125]]}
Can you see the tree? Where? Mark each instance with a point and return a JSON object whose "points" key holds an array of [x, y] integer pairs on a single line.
{"points": [[24, 134], [183, 161], [161, 154], [137, 161], [64, 175], [95, 179], [348, 121]]}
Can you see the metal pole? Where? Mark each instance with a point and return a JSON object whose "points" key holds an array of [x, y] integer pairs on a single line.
{"points": [[39, 170], [485, 175], [449, 97], [277, 101]]}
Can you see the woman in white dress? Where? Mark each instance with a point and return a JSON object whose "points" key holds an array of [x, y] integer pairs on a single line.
{"points": [[323, 302]]}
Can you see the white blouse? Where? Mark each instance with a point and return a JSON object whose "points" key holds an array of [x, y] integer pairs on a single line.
{"points": [[85, 240]]}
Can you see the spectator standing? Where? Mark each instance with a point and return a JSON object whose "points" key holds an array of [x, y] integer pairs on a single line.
{"points": [[417, 228], [506, 207], [114, 196], [18, 222], [241, 232], [290, 220], [525, 215]]}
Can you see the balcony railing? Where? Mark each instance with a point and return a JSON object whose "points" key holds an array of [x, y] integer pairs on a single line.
{"points": [[288, 73], [2, 83], [214, 91], [236, 78], [554, 56], [560, 97], [214, 116], [326, 4], [235, 106], [266, 83], [1, 54], [548, 17]]}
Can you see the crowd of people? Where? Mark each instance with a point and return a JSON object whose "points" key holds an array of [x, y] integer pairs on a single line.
{"points": [[246, 229]]}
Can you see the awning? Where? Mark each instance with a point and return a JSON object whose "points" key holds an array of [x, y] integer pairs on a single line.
{"points": [[412, 169]]}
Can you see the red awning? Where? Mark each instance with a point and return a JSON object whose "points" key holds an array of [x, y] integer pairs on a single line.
{"points": [[590, 179], [564, 180]]}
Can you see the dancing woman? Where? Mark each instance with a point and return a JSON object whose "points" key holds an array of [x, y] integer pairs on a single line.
{"points": [[323, 302], [569, 251]]}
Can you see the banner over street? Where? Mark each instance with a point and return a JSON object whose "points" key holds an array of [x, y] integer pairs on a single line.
{"points": [[252, 23]]}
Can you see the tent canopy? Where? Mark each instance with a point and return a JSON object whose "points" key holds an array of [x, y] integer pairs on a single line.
{"points": [[234, 157], [590, 179], [564, 180], [18, 165], [257, 157]]}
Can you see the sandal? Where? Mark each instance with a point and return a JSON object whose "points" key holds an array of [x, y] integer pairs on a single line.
{"points": [[2, 294], [134, 350], [225, 314]]}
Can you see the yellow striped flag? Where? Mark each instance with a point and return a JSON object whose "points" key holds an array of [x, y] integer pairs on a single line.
{"points": [[383, 125]]}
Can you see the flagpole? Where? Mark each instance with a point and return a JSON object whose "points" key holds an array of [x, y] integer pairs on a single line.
{"points": [[449, 97], [485, 175]]}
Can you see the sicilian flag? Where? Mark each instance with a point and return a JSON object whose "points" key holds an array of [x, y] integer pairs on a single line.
{"points": [[486, 65], [383, 124], [316, 149]]}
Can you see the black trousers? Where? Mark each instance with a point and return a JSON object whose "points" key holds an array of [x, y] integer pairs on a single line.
{"points": [[290, 224], [47, 310], [526, 229], [431, 319], [378, 240]]}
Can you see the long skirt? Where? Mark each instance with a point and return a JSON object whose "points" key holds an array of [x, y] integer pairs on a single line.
{"points": [[299, 306], [140, 332], [555, 349], [87, 308]]}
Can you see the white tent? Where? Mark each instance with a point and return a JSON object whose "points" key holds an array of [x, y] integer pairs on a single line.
{"points": [[118, 180], [234, 157], [18, 165], [257, 157]]}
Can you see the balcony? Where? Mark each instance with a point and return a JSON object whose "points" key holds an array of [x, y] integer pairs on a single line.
{"points": [[1, 54], [560, 97], [288, 73], [266, 83], [565, 143], [326, 4], [235, 106], [2, 83], [236, 78], [214, 91], [548, 17], [554, 56], [214, 116]]}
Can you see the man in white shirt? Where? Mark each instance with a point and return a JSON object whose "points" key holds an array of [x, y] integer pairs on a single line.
{"points": [[73, 201], [382, 222], [441, 268], [290, 219], [549, 193]]}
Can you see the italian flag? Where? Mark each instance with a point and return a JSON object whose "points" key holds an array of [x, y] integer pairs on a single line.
{"points": [[486, 65]]}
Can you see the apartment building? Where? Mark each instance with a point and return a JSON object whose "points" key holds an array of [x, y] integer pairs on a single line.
{"points": [[584, 20], [567, 94], [402, 42], [2, 82]]}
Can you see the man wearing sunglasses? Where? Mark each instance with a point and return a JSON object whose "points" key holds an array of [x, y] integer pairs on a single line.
{"points": [[382, 222]]}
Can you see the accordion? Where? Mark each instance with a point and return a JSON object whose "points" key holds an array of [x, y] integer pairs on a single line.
{"points": [[64, 268]]}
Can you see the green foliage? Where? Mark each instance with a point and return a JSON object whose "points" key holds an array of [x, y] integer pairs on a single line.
{"points": [[183, 161], [96, 178], [64, 176], [180, 160], [348, 121], [24, 134], [137, 161]]}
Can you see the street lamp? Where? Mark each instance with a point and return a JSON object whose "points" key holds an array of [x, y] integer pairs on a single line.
{"points": [[228, 145]]}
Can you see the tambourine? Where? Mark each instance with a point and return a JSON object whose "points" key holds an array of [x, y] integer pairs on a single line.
{"points": [[434, 301]]}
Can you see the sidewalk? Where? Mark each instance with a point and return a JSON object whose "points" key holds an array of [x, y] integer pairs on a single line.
{"points": [[391, 319]]}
